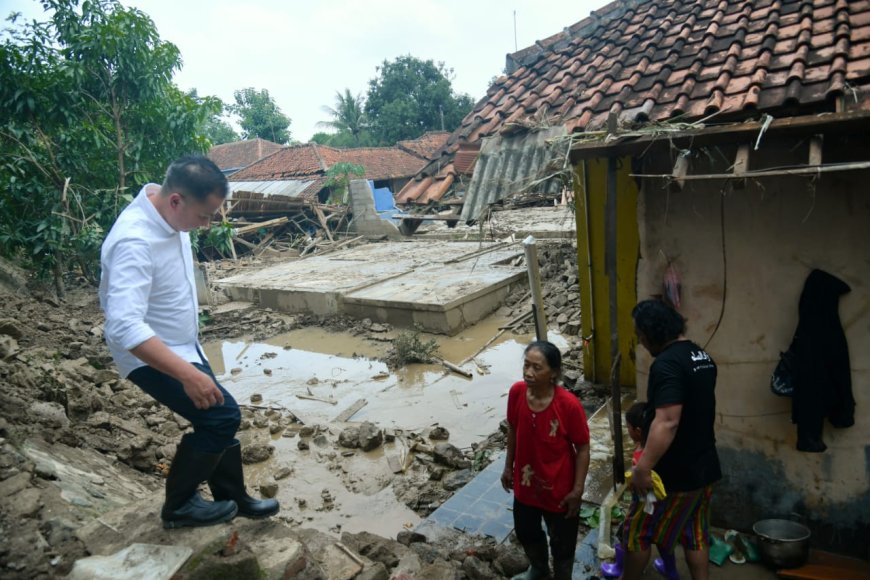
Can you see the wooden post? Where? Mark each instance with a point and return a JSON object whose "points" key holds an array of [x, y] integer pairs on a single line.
{"points": [[613, 283], [815, 150], [531, 248]]}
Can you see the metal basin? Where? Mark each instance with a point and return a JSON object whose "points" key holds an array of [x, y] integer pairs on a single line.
{"points": [[784, 543]]}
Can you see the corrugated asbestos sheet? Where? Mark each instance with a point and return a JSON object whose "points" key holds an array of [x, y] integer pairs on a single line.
{"points": [[269, 188], [515, 165]]}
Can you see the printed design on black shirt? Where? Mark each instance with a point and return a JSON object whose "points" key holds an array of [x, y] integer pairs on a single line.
{"points": [[554, 427], [528, 474], [702, 361]]}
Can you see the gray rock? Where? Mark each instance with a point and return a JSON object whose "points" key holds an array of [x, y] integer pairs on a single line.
{"points": [[283, 472], [448, 454], [320, 440], [407, 537], [303, 445], [477, 569], [50, 412], [8, 346], [25, 503], [11, 327], [511, 561], [349, 437], [307, 431], [439, 434], [370, 436], [256, 453], [376, 571], [457, 479], [14, 484], [269, 489], [439, 570]]}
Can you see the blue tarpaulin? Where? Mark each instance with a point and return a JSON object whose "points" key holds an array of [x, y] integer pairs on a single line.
{"points": [[385, 205]]}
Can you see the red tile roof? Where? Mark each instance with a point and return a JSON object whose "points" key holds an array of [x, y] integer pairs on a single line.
{"points": [[380, 163], [655, 60], [425, 146], [241, 153]]}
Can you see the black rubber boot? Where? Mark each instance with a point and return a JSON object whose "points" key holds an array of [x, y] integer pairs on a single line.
{"points": [[562, 569], [184, 507], [227, 481], [539, 562]]}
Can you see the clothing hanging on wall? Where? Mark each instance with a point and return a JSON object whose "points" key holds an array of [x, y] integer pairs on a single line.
{"points": [[823, 379]]}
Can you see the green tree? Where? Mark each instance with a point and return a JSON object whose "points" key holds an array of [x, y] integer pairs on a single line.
{"points": [[411, 96], [215, 128], [259, 116], [338, 179], [348, 119], [87, 110]]}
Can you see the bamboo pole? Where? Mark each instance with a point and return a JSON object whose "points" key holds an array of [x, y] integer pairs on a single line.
{"points": [[531, 248]]}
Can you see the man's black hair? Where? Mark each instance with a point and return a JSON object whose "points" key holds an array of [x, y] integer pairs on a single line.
{"points": [[658, 322], [634, 415], [551, 353], [195, 176]]}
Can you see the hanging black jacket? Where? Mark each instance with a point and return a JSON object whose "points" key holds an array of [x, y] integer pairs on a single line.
{"points": [[823, 379]]}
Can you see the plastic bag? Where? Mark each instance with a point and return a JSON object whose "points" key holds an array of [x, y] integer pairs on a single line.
{"points": [[782, 379]]}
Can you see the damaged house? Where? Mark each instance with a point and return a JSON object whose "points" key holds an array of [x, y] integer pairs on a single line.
{"points": [[723, 148]]}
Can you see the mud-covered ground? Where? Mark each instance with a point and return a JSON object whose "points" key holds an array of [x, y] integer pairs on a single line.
{"points": [[61, 397]]}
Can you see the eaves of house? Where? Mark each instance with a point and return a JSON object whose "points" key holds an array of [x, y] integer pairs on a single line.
{"points": [[643, 62]]}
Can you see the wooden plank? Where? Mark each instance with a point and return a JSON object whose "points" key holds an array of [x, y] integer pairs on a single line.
{"points": [[313, 398], [456, 369], [345, 415], [244, 230], [322, 219]]}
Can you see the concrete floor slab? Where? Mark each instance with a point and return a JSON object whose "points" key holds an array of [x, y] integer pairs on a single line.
{"points": [[545, 223], [440, 286]]}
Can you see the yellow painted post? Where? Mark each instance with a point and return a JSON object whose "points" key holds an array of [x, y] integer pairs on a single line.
{"points": [[590, 189]]}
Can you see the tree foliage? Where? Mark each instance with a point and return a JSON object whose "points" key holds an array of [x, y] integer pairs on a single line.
{"points": [[338, 179], [411, 96], [260, 116], [348, 120], [88, 111]]}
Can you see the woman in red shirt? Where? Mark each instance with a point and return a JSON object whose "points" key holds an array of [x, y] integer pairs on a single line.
{"points": [[547, 461]]}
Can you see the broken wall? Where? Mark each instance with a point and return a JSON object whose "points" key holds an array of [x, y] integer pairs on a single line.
{"points": [[751, 250], [366, 220]]}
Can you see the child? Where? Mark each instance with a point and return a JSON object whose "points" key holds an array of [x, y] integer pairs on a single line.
{"points": [[667, 564], [547, 461]]}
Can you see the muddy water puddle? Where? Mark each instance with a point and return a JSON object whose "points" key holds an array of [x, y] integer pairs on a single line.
{"points": [[332, 371], [316, 374]]}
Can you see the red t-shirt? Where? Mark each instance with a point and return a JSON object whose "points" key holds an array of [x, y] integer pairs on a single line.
{"points": [[544, 462]]}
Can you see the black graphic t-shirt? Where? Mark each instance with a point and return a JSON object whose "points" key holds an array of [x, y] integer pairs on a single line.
{"points": [[683, 373]]}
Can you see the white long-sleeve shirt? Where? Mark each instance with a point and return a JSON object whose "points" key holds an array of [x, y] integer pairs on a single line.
{"points": [[147, 286]]}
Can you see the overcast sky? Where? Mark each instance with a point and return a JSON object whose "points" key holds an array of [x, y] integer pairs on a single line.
{"points": [[305, 51]]}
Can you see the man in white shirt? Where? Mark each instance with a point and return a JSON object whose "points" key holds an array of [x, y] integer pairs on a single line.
{"points": [[148, 294]]}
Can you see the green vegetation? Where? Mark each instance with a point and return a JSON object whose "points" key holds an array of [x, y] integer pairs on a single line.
{"points": [[259, 116], [408, 347], [88, 113]]}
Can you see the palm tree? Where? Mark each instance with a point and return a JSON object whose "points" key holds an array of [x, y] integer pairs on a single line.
{"points": [[348, 116]]}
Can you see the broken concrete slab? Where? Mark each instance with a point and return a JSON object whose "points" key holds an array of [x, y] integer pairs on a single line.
{"points": [[139, 561], [439, 286]]}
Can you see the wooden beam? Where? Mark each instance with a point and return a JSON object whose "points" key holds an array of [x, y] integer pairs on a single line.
{"points": [[633, 142], [741, 166], [244, 230], [855, 166], [816, 150], [345, 415]]}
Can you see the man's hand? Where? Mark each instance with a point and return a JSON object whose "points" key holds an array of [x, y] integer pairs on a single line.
{"points": [[202, 390], [507, 479], [572, 502], [641, 480]]}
